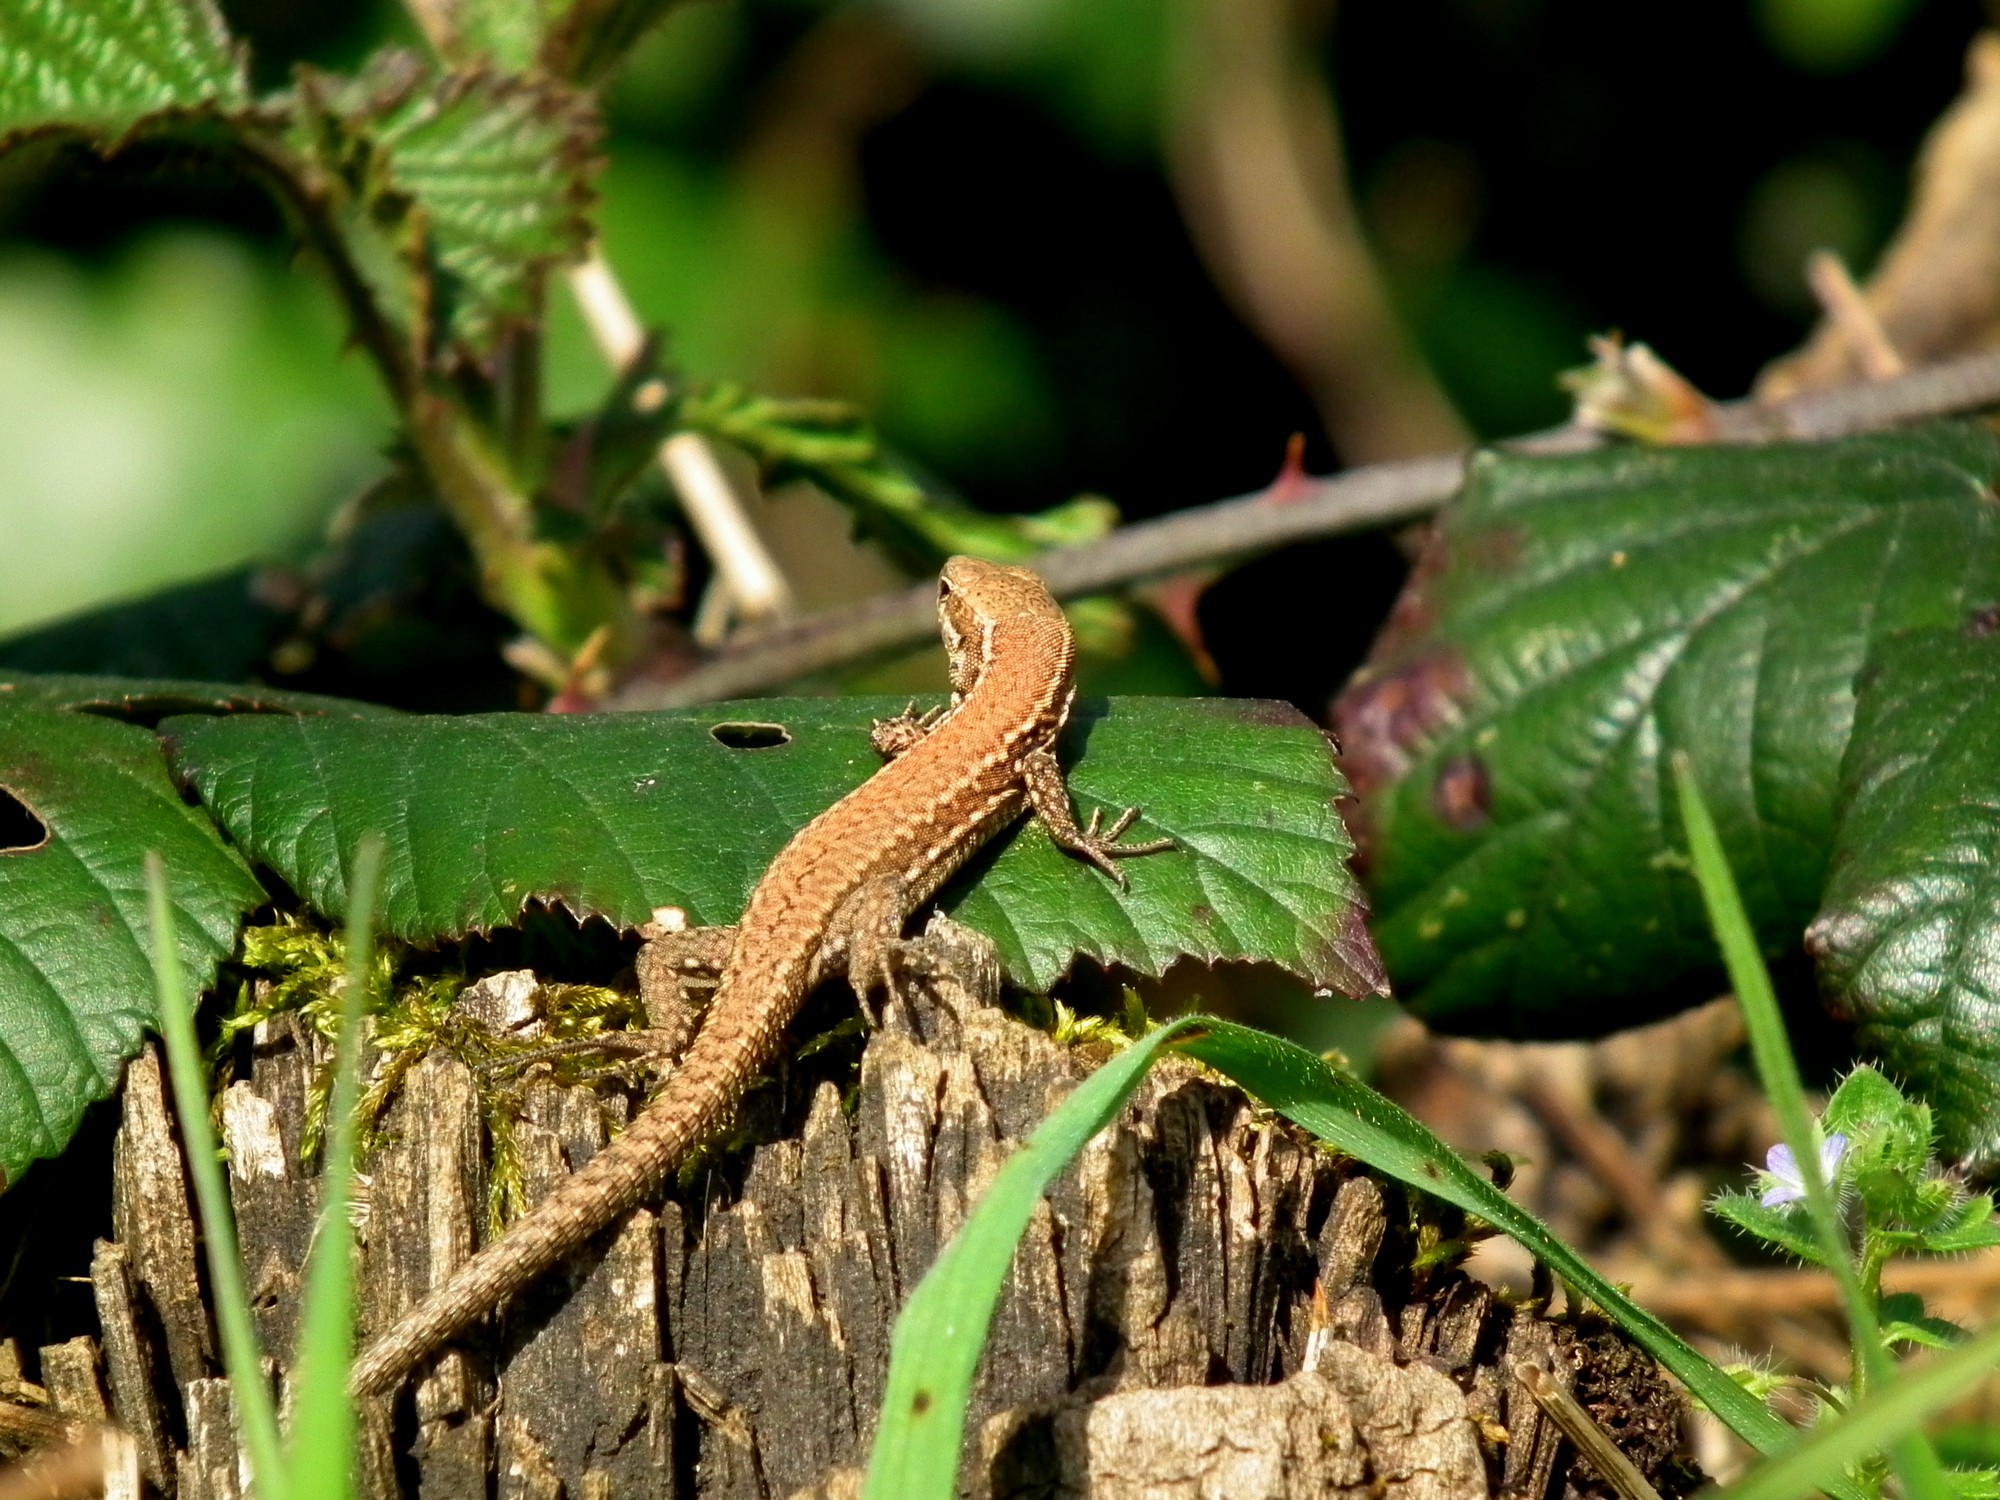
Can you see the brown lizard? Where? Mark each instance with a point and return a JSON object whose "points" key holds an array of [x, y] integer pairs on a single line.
{"points": [[836, 898]]}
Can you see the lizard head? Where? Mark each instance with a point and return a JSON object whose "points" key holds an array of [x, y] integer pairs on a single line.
{"points": [[976, 598]]}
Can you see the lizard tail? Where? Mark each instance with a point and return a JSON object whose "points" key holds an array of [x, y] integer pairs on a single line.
{"points": [[705, 1086]]}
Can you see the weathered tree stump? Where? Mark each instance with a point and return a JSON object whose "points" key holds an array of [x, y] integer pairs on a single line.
{"points": [[1207, 1304]]}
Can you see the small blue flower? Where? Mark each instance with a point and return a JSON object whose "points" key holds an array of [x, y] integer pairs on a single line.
{"points": [[1787, 1186]]}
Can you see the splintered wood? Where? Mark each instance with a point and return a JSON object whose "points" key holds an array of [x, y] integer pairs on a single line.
{"points": [[1206, 1304]]}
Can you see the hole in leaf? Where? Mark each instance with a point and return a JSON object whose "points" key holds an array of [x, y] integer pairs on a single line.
{"points": [[20, 829], [748, 736]]}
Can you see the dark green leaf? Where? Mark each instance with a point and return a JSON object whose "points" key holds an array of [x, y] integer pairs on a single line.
{"points": [[102, 67], [83, 800], [1908, 940], [214, 630], [1577, 619], [614, 816]]}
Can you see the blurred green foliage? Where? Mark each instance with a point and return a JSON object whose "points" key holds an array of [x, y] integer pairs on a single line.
{"points": [[180, 407], [957, 214]]}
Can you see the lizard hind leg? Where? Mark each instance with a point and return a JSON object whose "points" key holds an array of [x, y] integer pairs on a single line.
{"points": [[951, 963], [678, 970]]}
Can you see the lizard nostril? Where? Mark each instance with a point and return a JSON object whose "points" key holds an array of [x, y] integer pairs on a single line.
{"points": [[743, 736]]}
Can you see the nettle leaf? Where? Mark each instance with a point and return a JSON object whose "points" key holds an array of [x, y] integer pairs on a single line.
{"points": [[615, 816], [103, 67], [477, 181], [82, 799], [1574, 621], [1908, 937], [501, 167]]}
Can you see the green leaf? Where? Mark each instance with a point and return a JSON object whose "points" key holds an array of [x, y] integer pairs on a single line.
{"points": [[322, 1454], [1348, 1115], [613, 816], [1576, 620], [505, 32], [940, 1331], [478, 182], [1971, 1227], [103, 67], [934, 1351], [832, 446], [1784, 1227], [501, 168], [1867, 1101], [593, 36], [150, 699], [85, 799], [1904, 1321], [1908, 937], [1916, 1464]]}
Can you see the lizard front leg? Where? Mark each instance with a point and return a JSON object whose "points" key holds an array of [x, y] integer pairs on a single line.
{"points": [[891, 737], [1048, 794]]}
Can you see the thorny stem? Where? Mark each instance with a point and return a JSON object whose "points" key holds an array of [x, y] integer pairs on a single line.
{"points": [[1360, 499], [555, 594]]}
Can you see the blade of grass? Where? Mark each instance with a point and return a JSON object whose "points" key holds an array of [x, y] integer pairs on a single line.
{"points": [[938, 1337], [1872, 1423], [935, 1350], [322, 1451], [1916, 1461], [256, 1417]]}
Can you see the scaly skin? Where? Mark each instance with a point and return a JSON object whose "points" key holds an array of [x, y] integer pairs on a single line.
{"points": [[837, 896]]}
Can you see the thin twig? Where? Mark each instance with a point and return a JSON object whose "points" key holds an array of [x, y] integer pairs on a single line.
{"points": [[1259, 170], [1935, 289], [755, 587], [1361, 499], [1596, 1446]]}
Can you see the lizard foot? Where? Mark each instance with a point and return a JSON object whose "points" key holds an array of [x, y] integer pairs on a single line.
{"points": [[1102, 848], [891, 737]]}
